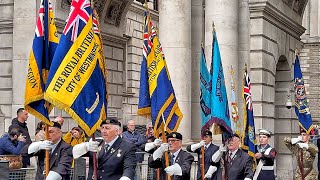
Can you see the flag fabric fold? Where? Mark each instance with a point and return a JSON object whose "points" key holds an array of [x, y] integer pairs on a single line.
{"points": [[43, 48], [205, 91], [249, 137], [156, 97], [219, 101], [77, 77], [301, 103]]}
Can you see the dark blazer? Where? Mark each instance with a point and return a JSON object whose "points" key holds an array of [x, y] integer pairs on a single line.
{"points": [[239, 167], [184, 159], [118, 161], [60, 161], [207, 159]]}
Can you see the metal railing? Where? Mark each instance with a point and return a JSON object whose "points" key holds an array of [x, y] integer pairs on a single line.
{"points": [[22, 174]]}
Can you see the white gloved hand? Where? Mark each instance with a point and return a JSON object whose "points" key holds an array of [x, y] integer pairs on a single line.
{"points": [[92, 146], [124, 178], [303, 145], [196, 146], [296, 140], [53, 176], [158, 153], [210, 171], [174, 169], [247, 179], [37, 146], [218, 154], [151, 145]]}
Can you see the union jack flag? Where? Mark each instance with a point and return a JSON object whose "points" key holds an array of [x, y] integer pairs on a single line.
{"points": [[247, 90], [39, 23], [78, 17]]}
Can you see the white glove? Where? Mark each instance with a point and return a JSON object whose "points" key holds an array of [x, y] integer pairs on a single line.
{"points": [[196, 146], [174, 169], [296, 140], [92, 146], [158, 153], [124, 178], [53, 176], [303, 145], [151, 145], [218, 154], [210, 172], [247, 178], [37, 146]]}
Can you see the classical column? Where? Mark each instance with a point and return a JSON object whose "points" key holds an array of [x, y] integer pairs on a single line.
{"points": [[197, 36], [175, 37], [224, 15]]}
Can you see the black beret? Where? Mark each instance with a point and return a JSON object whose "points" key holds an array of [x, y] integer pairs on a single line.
{"points": [[111, 121], [175, 135], [56, 124], [235, 135], [207, 133]]}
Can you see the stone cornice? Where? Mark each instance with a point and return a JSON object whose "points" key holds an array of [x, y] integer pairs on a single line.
{"points": [[274, 16], [139, 9], [6, 23], [109, 38]]}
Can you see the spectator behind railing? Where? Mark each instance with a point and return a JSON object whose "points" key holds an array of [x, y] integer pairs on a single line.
{"points": [[12, 142]]}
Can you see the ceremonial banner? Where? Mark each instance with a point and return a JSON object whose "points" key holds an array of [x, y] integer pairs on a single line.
{"points": [[219, 101], [301, 103], [77, 77], [249, 138], [157, 98], [43, 48], [205, 92], [235, 124]]}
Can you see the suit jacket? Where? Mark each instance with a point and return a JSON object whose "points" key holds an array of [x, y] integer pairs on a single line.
{"points": [[239, 167], [60, 161], [184, 159], [118, 161], [207, 159]]}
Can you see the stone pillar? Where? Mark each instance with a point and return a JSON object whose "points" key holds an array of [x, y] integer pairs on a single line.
{"points": [[23, 34], [197, 36], [175, 37], [224, 15]]}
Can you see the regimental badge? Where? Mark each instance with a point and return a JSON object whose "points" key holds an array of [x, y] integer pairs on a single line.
{"points": [[300, 96], [174, 135], [119, 153], [112, 150], [251, 134]]}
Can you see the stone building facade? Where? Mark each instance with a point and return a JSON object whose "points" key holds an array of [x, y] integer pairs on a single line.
{"points": [[262, 33]]}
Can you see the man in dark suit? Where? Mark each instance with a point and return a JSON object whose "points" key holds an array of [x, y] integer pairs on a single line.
{"points": [[236, 164], [210, 149], [60, 155], [116, 157], [180, 160]]}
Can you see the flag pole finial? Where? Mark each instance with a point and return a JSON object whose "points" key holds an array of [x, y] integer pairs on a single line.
{"points": [[296, 52], [213, 27], [145, 4]]}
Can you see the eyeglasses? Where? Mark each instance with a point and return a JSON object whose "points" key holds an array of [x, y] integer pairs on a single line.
{"points": [[173, 140]]}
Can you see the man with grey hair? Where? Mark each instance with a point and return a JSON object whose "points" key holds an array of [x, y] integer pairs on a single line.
{"points": [[59, 119], [60, 155], [116, 157]]}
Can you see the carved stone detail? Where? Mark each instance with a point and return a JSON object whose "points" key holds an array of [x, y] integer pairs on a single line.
{"points": [[114, 12], [296, 5]]}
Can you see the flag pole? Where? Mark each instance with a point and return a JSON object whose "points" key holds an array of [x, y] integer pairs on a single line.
{"points": [[164, 139], [46, 47], [202, 149]]}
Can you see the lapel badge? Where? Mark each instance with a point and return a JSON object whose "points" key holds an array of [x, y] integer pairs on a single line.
{"points": [[119, 153], [56, 154], [112, 150]]}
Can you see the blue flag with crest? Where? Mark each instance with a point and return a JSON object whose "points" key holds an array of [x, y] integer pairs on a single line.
{"points": [[301, 103]]}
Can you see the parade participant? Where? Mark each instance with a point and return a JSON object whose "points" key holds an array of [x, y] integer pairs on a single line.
{"points": [[238, 163], [60, 155], [12, 143], [265, 157], [116, 157], [180, 160], [210, 149], [305, 153], [59, 119]]}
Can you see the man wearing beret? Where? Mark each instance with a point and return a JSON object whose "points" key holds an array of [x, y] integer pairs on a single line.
{"points": [[210, 149], [265, 157], [235, 164], [116, 157], [179, 160], [60, 158]]}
